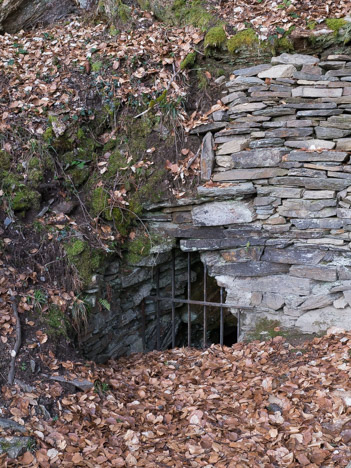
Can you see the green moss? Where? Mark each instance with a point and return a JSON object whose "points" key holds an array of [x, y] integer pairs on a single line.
{"points": [[96, 66], [137, 132], [99, 201], [48, 135], [86, 259], [56, 323], [268, 327], [201, 79], [183, 12], [138, 248], [246, 38], [283, 44], [335, 24], [79, 175], [5, 161], [215, 38], [188, 61], [75, 247], [144, 4], [25, 198], [80, 134], [116, 161]]}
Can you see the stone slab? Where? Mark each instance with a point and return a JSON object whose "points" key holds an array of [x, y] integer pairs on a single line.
{"points": [[209, 127], [232, 96], [251, 71], [249, 269], [207, 157], [318, 194], [273, 284], [247, 107], [306, 91], [258, 158], [330, 223], [318, 273], [266, 143], [289, 132], [310, 144], [318, 113], [308, 156], [233, 146], [242, 254], [312, 183], [278, 71], [303, 105], [295, 59], [280, 192], [203, 245], [223, 213], [343, 144], [228, 190], [319, 320], [249, 174], [293, 255], [316, 301], [331, 133], [275, 112]]}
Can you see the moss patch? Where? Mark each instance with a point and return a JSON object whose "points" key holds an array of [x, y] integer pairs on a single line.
{"points": [[246, 38], [335, 24], [189, 61], [215, 38], [265, 328], [86, 259]]}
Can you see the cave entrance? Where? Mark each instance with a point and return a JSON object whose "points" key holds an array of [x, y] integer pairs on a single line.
{"points": [[198, 316]]}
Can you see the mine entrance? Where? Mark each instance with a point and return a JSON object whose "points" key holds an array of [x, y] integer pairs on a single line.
{"points": [[197, 318]]}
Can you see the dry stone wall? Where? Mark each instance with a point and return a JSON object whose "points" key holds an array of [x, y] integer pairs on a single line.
{"points": [[272, 219]]}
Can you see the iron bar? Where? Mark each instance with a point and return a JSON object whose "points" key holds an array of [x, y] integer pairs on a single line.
{"points": [[186, 301], [189, 299], [238, 331], [221, 319], [173, 297], [143, 325], [158, 331], [205, 307]]}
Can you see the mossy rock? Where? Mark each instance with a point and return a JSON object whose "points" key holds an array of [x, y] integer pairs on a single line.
{"points": [[266, 329], [335, 24], [98, 202], [5, 161], [25, 198], [188, 61], [244, 39], [215, 39], [86, 259]]}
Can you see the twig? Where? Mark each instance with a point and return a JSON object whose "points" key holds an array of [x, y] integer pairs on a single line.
{"points": [[11, 375]]}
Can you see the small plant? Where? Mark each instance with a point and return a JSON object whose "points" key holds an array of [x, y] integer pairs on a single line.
{"points": [[23, 366], [101, 387], [284, 4], [105, 304]]}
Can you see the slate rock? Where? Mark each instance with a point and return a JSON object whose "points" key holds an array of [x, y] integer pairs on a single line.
{"points": [[207, 157], [242, 254], [251, 71], [275, 112], [318, 273], [319, 320], [330, 223], [314, 92], [232, 96], [280, 192], [293, 255], [331, 133], [289, 132], [249, 174], [318, 113], [316, 301], [273, 284], [307, 156], [310, 77], [203, 245], [209, 127], [295, 59], [266, 143], [233, 146], [278, 71], [311, 105], [223, 213], [231, 190], [343, 144], [312, 183], [310, 144], [14, 446], [248, 269], [258, 158], [247, 107], [318, 194]]}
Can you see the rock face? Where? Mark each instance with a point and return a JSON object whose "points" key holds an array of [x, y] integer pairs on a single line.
{"points": [[273, 225], [26, 14]]}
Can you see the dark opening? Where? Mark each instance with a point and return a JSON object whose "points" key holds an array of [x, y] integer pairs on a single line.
{"points": [[197, 312]]}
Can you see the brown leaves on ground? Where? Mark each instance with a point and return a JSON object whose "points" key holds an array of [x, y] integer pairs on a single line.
{"points": [[252, 405]]}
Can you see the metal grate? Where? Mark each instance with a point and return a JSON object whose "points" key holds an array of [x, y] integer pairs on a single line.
{"points": [[159, 299]]}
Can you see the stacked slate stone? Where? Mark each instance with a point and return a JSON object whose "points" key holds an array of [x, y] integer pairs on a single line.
{"points": [[274, 223]]}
